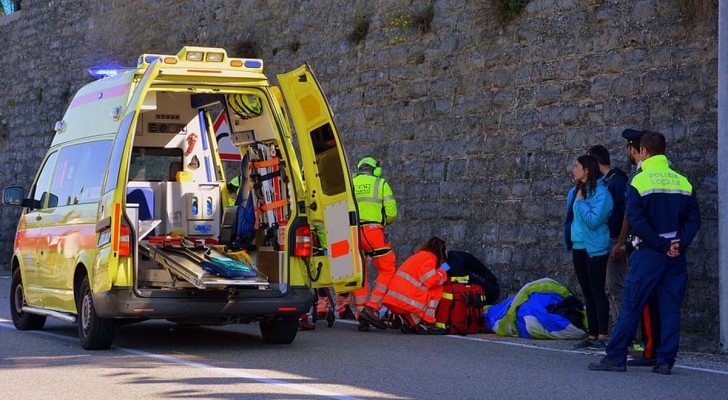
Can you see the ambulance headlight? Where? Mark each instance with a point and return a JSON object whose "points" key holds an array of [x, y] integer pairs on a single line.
{"points": [[214, 57], [194, 56]]}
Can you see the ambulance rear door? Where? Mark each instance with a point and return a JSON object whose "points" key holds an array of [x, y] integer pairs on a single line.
{"points": [[114, 247], [329, 200]]}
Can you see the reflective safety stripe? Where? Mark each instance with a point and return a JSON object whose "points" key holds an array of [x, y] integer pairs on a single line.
{"points": [[379, 287], [447, 296], [668, 191], [441, 325], [432, 303], [407, 300], [368, 200], [411, 280], [387, 198], [427, 275], [430, 312]]}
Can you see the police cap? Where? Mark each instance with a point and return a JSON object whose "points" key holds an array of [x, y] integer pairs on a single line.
{"points": [[632, 135]]}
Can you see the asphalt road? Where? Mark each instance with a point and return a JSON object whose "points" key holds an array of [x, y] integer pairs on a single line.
{"points": [[157, 359]]}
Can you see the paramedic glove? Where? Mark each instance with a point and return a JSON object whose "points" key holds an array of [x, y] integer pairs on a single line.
{"points": [[445, 266]]}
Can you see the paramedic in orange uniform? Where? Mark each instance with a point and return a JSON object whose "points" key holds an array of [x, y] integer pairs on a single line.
{"points": [[417, 287], [377, 208]]}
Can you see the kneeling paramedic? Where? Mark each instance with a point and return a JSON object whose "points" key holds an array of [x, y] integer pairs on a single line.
{"points": [[417, 287], [377, 208]]}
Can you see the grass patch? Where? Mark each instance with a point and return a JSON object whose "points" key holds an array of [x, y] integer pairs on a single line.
{"points": [[509, 9], [360, 29]]}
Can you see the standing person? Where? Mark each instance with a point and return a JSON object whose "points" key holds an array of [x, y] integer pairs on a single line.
{"points": [[650, 322], [589, 205], [377, 209], [663, 211], [416, 288], [616, 181]]}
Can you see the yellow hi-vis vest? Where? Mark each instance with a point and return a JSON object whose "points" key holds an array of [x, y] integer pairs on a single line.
{"points": [[375, 199]]}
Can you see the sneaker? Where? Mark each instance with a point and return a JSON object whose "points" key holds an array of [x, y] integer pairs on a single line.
{"points": [[641, 362], [599, 344], [662, 368], [346, 314], [371, 315], [583, 344], [606, 364], [424, 328], [363, 325]]}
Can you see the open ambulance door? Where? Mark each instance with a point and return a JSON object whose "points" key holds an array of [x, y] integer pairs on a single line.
{"points": [[111, 246], [329, 201]]}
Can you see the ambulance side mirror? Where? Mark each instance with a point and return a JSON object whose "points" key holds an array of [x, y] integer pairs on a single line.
{"points": [[13, 196]]}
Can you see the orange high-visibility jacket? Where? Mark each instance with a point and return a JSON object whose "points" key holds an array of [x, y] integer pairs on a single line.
{"points": [[417, 286]]}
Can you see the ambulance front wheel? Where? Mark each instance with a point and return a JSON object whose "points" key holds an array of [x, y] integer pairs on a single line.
{"points": [[281, 330], [95, 333], [22, 320]]}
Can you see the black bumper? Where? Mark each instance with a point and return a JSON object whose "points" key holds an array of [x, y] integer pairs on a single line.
{"points": [[125, 303]]}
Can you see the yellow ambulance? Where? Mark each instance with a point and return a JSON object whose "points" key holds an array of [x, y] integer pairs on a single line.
{"points": [[129, 217]]}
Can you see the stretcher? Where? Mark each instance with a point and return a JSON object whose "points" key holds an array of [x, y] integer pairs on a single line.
{"points": [[185, 258]]}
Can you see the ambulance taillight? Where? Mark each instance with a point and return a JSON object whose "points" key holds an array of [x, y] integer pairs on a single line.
{"points": [[303, 241], [124, 241]]}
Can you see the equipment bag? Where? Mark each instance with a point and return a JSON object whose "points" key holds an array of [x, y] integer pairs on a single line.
{"points": [[460, 310]]}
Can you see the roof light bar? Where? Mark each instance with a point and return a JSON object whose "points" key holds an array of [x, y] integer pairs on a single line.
{"points": [[194, 56], [214, 57], [106, 71]]}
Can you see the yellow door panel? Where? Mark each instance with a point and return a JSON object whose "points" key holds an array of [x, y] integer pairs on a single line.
{"points": [[329, 197], [113, 199]]}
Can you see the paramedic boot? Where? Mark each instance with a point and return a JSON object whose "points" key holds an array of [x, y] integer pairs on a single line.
{"points": [[363, 325], [425, 328], [346, 313], [372, 316]]}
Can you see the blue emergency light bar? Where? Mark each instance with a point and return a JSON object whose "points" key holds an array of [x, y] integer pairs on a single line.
{"points": [[106, 71]]}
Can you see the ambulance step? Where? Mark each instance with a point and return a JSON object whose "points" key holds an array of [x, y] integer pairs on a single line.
{"points": [[50, 313]]}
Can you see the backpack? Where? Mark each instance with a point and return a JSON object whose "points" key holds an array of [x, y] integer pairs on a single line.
{"points": [[460, 310]]}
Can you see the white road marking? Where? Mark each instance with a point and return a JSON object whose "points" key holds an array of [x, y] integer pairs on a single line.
{"points": [[237, 373]]}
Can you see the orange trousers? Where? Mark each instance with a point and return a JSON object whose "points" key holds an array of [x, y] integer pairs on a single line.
{"points": [[375, 246]]}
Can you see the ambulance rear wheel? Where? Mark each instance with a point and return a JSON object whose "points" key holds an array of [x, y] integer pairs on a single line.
{"points": [[22, 320], [94, 332], [281, 330]]}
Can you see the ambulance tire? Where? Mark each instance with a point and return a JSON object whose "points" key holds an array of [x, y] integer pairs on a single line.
{"points": [[94, 332], [22, 321], [281, 330]]}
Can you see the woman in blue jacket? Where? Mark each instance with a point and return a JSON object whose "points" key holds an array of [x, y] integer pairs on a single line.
{"points": [[586, 234]]}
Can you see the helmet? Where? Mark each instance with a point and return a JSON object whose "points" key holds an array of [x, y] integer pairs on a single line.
{"points": [[245, 105], [235, 182], [371, 162]]}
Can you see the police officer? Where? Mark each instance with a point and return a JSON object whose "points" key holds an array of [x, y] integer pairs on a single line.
{"points": [[663, 211], [377, 208], [650, 322]]}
